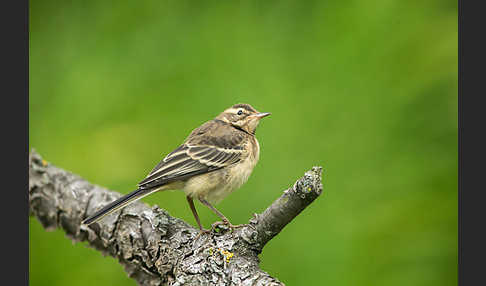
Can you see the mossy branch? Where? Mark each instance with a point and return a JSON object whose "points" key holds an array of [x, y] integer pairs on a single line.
{"points": [[154, 247]]}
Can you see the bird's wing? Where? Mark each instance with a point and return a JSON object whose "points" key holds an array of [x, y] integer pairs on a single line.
{"points": [[190, 160]]}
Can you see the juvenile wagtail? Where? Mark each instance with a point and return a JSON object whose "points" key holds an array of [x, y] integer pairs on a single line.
{"points": [[214, 160]]}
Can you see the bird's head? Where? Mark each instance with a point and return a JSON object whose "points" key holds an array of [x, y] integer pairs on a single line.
{"points": [[242, 116]]}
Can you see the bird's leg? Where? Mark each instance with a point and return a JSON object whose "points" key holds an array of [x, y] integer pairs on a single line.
{"points": [[194, 212], [225, 220]]}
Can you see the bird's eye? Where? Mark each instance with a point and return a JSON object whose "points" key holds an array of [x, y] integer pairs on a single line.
{"points": [[240, 112]]}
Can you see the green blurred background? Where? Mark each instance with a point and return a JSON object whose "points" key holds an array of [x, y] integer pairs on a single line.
{"points": [[366, 89]]}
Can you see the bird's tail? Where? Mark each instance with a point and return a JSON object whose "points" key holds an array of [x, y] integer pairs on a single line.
{"points": [[118, 204]]}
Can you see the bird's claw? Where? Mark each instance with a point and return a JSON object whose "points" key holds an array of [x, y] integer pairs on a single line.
{"points": [[201, 231], [226, 223]]}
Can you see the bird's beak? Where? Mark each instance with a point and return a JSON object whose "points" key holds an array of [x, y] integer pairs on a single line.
{"points": [[262, 114]]}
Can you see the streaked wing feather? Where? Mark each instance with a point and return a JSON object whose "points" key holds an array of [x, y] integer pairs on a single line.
{"points": [[178, 150], [187, 161], [215, 156]]}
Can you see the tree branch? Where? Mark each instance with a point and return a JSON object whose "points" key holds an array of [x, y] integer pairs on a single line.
{"points": [[155, 248]]}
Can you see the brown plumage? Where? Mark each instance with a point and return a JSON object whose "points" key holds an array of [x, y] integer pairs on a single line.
{"points": [[214, 160]]}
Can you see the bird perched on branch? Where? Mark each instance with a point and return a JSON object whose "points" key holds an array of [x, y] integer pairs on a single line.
{"points": [[214, 160]]}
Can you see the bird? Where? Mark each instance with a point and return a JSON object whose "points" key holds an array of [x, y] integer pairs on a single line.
{"points": [[215, 159]]}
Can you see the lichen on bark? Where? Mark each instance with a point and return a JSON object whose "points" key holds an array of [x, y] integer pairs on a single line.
{"points": [[155, 248]]}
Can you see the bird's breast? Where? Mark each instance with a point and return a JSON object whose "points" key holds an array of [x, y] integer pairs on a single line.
{"points": [[216, 185]]}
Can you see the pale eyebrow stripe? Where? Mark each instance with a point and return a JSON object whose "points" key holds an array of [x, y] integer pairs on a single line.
{"points": [[232, 110]]}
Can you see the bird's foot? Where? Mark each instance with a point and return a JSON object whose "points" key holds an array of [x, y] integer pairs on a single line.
{"points": [[226, 224], [202, 231]]}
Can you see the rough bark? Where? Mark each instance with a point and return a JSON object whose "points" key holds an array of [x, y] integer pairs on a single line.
{"points": [[155, 248]]}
